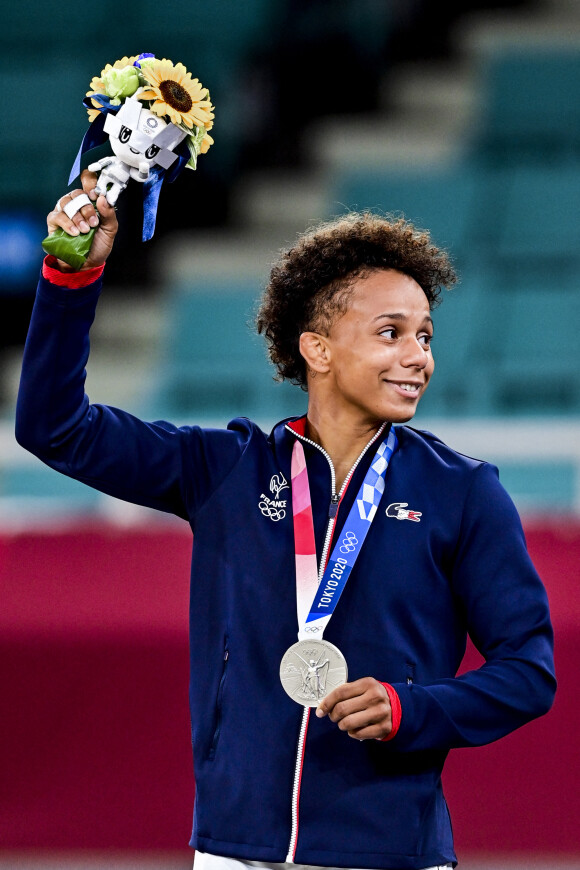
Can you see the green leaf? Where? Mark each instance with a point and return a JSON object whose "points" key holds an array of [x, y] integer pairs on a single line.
{"points": [[194, 141], [193, 152], [73, 250]]}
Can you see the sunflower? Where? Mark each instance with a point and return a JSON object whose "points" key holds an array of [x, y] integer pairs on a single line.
{"points": [[205, 144], [176, 95], [97, 86]]}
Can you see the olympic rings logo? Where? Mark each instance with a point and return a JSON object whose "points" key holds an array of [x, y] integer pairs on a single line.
{"points": [[272, 513], [312, 628], [349, 542]]}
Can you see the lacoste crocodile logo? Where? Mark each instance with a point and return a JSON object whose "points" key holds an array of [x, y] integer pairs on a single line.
{"points": [[398, 510]]}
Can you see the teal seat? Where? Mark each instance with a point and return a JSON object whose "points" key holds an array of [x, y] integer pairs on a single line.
{"points": [[44, 133], [39, 485], [530, 107], [214, 366], [466, 346], [536, 369], [505, 345], [442, 201], [540, 485], [537, 217]]}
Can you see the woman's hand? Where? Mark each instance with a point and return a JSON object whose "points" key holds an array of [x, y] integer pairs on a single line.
{"points": [[84, 220], [361, 708]]}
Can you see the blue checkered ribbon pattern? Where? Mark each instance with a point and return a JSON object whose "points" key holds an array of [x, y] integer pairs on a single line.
{"points": [[372, 490]]}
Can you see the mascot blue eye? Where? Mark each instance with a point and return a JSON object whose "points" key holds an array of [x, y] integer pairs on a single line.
{"points": [[152, 151], [124, 135]]}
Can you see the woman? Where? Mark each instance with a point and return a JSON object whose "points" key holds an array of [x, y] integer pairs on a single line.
{"points": [[350, 589]]}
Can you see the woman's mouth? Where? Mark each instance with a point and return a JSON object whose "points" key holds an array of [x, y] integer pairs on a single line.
{"points": [[408, 389]]}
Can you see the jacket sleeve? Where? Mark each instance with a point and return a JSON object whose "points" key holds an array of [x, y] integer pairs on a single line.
{"points": [[158, 465], [506, 610]]}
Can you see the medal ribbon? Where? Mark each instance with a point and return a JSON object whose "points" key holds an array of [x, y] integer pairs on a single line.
{"points": [[316, 600]]}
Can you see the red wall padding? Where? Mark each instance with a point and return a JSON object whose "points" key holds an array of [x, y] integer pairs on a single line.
{"points": [[94, 734]]}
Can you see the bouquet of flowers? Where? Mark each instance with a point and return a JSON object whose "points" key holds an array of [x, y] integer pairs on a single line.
{"points": [[167, 89], [157, 119]]}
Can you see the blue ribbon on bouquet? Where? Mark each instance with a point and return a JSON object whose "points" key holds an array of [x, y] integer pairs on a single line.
{"points": [[95, 135]]}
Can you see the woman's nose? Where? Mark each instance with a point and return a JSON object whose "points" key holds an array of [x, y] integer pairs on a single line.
{"points": [[415, 354]]}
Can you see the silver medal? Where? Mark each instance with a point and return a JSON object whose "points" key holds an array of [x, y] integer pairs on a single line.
{"points": [[310, 669]]}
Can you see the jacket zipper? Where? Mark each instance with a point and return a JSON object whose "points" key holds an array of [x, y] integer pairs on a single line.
{"points": [[218, 718], [335, 499]]}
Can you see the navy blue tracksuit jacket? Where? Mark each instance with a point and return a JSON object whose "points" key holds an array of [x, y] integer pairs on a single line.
{"points": [[459, 565]]}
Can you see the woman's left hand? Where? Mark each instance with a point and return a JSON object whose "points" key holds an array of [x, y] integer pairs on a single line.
{"points": [[361, 708]]}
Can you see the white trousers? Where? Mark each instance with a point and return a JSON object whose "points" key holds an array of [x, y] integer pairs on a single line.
{"points": [[205, 861]]}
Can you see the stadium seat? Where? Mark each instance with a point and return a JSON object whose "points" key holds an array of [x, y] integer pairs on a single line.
{"points": [[505, 345], [540, 485], [535, 373], [537, 216], [465, 348], [37, 487], [440, 200], [214, 367], [530, 108], [42, 133]]}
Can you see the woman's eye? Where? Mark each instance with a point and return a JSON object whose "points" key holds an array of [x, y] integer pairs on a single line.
{"points": [[390, 332], [124, 135], [426, 339]]}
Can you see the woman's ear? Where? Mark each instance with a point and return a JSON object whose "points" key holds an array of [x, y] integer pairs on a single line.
{"points": [[316, 351]]}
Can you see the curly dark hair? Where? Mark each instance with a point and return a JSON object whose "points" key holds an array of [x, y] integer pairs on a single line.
{"points": [[310, 284]]}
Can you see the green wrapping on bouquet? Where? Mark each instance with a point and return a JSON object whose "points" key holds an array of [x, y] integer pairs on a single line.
{"points": [[73, 250]]}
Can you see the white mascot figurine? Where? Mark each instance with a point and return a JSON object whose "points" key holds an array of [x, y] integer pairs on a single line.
{"points": [[139, 140]]}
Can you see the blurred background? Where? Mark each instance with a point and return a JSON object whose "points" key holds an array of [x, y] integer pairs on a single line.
{"points": [[464, 117]]}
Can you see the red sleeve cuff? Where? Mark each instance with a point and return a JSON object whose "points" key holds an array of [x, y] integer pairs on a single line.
{"points": [[71, 280], [396, 712]]}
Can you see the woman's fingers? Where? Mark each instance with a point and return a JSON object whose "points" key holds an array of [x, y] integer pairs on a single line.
{"points": [[74, 213], [89, 182]]}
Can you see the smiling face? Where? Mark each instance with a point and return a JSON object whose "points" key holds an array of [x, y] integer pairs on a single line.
{"points": [[134, 146], [375, 362]]}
